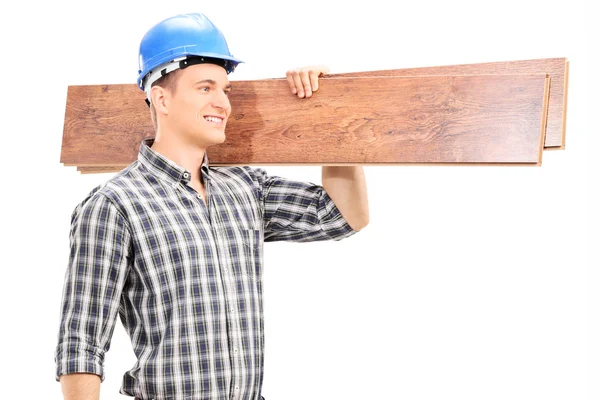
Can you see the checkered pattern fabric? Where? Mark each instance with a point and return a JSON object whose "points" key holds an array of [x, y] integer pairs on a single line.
{"points": [[184, 277]]}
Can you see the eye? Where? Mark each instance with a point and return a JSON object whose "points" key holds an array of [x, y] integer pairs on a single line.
{"points": [[227, 92], [204, 88]]}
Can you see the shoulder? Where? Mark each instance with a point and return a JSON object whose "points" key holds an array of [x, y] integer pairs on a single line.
{"points": [[110, 194], [241, 175], [237, 172], [254, 175]]}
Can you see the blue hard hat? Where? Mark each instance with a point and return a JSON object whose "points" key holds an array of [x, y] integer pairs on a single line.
{"points": [[179, 38]]}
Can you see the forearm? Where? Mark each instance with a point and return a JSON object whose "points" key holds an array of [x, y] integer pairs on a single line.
{"points": [[347, 187], [80, 386]]}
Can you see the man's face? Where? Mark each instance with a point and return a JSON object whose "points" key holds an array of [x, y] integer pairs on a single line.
{"points": [[200, 107]]}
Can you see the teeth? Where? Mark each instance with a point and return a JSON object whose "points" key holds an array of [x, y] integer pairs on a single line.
{"points": [[214, 119]]}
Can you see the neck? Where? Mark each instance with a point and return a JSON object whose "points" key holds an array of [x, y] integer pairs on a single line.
{"points": [[188, 155]]}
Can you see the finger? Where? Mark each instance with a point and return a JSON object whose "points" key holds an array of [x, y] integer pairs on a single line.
{"points": [[314, 80], [323, 70], [306, 82], [290, 80], [298, 83]]}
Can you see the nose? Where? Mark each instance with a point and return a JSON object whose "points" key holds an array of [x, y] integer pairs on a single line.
{"points": [[221, 101]]}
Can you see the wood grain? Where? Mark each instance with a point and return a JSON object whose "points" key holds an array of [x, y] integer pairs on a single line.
{"points": [[556, 68], [477, 119]]}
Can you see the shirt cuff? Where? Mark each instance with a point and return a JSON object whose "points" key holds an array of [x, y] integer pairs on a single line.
{"points": [[70, 360], [336, 225]]}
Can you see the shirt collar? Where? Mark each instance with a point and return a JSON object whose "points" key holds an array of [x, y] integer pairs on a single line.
{"points": [[164, 168]]}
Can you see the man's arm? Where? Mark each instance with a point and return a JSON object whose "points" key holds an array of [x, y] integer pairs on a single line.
{"points": [[79, 386], [98, 266], [297, 211], [347, 187]]}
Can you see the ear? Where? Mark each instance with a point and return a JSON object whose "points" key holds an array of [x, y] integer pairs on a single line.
{"points": [[160, 99]]}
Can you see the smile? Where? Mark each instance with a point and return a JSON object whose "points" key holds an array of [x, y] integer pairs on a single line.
{"points": [[213, 119]]}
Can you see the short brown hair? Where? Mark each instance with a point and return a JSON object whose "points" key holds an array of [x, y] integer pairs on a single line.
{"points": [[169, 82]]}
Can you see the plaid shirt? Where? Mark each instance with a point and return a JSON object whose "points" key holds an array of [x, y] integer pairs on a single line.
{"points": [[185, 278]]}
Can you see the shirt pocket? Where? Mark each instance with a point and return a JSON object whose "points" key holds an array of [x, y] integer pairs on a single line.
{"points": [[252, 245]]}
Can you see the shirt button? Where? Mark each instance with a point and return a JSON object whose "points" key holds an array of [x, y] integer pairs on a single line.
{"points": [[231, 309], [226, 270], [235, 350], [186, 175], [237, 388]]}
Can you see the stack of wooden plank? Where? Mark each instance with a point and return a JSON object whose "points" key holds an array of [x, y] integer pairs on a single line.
{"points": [[500, 113]]}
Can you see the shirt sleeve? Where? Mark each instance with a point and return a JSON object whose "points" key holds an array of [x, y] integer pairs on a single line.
{"points": [[98, 265], [297, 211]]}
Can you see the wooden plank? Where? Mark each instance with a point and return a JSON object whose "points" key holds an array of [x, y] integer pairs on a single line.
{"points": [[556, 68], [101, 170], [477, 119], [564, 116]]}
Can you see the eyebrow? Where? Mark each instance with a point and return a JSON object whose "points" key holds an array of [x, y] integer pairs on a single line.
{"points": [[212, 82]]}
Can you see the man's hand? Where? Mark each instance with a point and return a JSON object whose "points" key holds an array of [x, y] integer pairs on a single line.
{"points": [[305, 81]]}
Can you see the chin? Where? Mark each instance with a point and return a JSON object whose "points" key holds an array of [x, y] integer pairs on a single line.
{"points": [[215, 138], [222, 135]]}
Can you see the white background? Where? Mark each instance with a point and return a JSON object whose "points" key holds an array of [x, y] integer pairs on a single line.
{"points": [[468, 283]]}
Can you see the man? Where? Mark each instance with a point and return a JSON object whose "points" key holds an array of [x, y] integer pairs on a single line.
{"points": [[175, 247]]}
